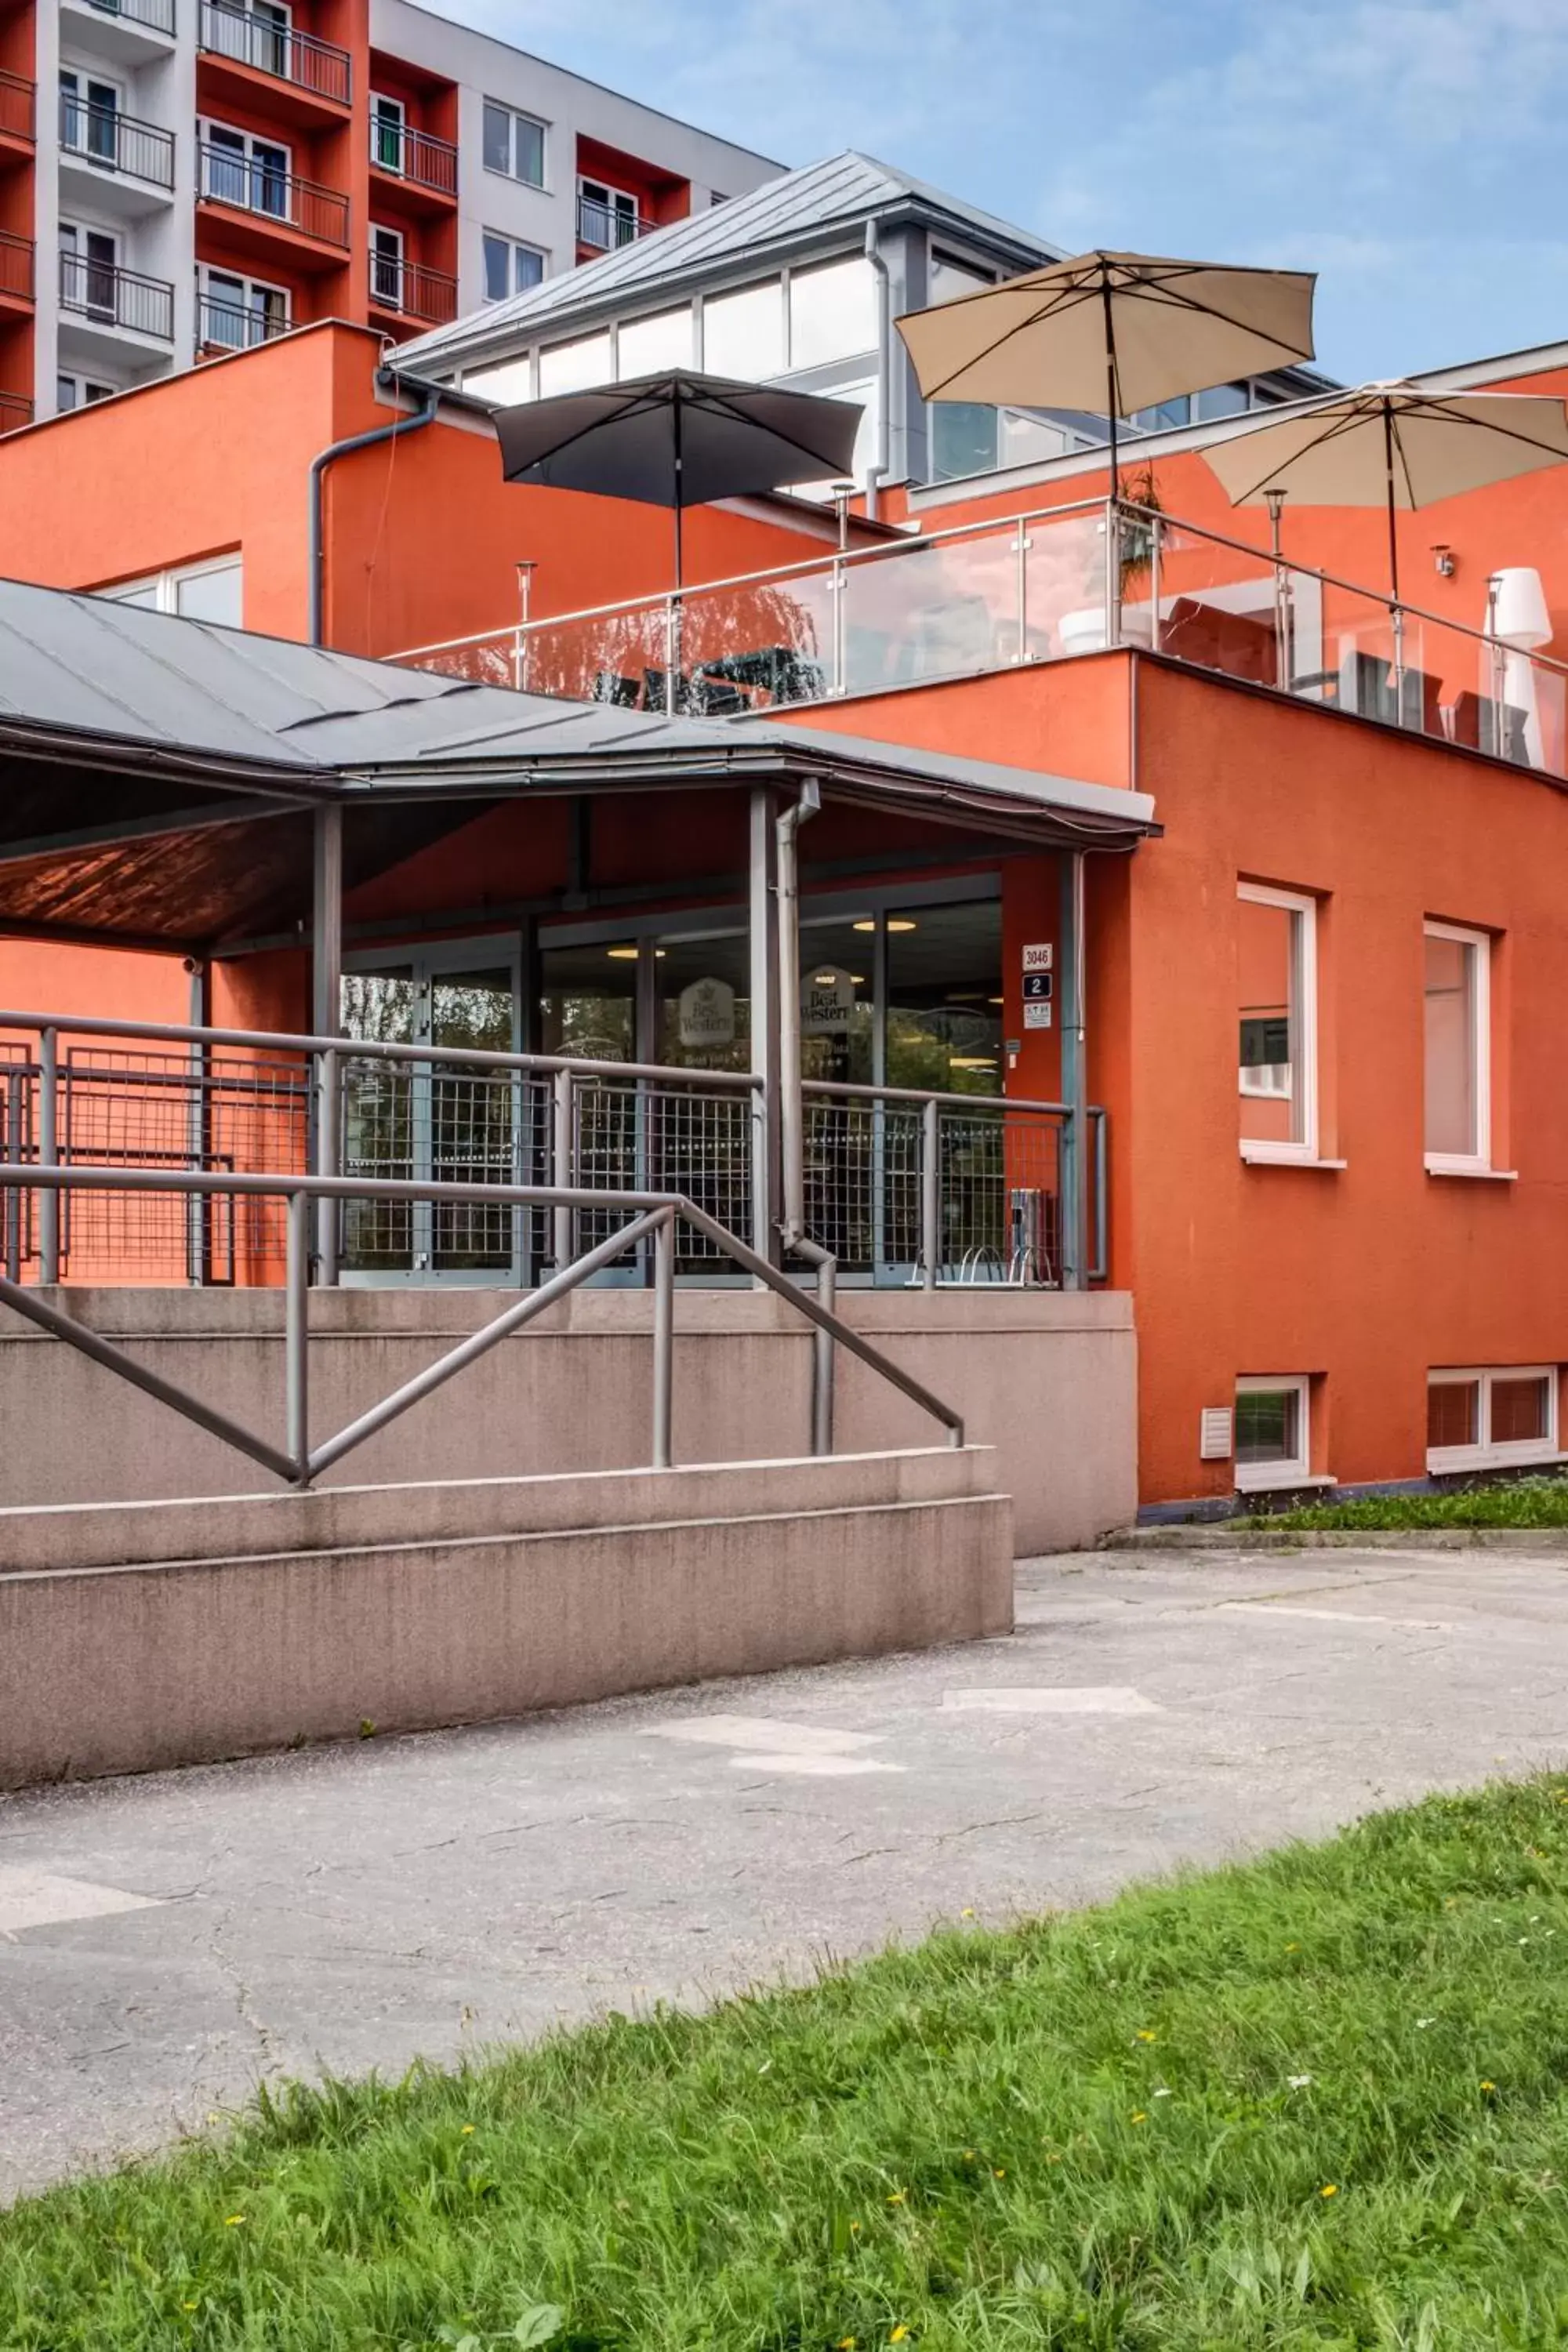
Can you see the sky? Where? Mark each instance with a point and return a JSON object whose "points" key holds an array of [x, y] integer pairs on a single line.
{"points": [[1411, 152]]}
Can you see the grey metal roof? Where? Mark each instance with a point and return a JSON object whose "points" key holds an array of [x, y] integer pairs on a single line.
{"points": [[782, 212], [83, 667]]}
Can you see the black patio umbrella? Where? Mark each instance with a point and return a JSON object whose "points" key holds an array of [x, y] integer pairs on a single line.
{"points": [[678, 441]]}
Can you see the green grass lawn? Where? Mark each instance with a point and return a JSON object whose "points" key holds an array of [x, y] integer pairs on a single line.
{"points": [[1509, 1503], [1318, 2101]]}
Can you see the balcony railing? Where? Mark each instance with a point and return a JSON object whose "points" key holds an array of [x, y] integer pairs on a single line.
{"points": [[15, 410], [111, 297], [251, 39], [157, 14], [251, 185], [601, 227], [417, 157], [18, 107], [16, 266], [414, 292], [112, 142], [1037, 588], [233, 327]]}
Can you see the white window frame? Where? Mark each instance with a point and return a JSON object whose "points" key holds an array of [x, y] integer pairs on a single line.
{"points": [[1479, 945], [610, 198], [167, 583], [205, 125], [514, 245], [83, 384], [385, 228], [1303, 1090], [85, 80], [1442, 1460], [1259, 1478], [207, 271], [380, 98], [516, 114]]}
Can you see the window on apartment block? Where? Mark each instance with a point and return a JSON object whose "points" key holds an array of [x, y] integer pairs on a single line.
{"points": [[606, 218], [1457, 1022], [509, 268], [81, 392], [197, 592], [1273, 1444], [89, 109], [513, 144], [236, 312], [1276, 1022], [1489, 1418], [386, 266]]}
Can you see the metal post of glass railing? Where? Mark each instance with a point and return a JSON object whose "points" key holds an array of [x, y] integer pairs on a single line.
{"points": [[837, 584], [1021, 562], [1154, 583], [1113, 573], [1398, 612], [672, 653]]}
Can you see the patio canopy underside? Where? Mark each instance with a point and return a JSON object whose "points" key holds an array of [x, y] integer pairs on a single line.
{"points": [[160, 778]]}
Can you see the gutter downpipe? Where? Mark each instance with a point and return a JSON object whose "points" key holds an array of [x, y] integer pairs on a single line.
{"points": [[878, 474], [431, 398]]}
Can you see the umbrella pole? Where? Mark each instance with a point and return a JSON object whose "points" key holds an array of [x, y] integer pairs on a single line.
{"points": [[1393, 564], [1112, 516]]}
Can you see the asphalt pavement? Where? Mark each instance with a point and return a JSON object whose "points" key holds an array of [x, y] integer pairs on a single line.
{"points": [[167, 1942]]}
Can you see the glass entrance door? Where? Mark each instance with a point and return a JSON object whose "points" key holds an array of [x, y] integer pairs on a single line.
{"points": [[434, 1121]]}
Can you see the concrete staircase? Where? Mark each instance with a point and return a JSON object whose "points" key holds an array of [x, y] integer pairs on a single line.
{"points": [[138, 1635]]}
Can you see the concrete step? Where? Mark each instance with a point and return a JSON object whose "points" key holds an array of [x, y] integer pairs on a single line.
{"points": [[164, 1634]]}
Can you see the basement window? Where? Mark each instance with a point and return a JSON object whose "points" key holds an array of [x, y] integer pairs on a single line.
{"points": [[1490, 1417], [1272, 1431]]}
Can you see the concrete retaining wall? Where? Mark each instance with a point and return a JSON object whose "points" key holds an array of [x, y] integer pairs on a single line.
{"points": [[131, 1643], [1048, 1380]]}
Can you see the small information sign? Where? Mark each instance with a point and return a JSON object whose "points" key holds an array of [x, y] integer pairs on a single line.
{"points": [[1036, 1016], [1041, 957]]}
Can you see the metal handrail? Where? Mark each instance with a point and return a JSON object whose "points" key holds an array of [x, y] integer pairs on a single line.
{"points": [[19, 121], [301, 53], [173, 1032], [117, 296], [127, 136], [998, 526], [413, 164], [309, 208], [298, 1462]]}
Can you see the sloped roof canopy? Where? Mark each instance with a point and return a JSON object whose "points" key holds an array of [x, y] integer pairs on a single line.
{"points": [[772, 221], [158, 776]]}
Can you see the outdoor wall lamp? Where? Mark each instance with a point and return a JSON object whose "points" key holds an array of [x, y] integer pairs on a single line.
{"points": [[1445, 561]]}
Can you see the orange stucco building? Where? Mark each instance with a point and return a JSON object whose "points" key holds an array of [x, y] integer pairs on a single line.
{"points": [[1320, 1006]]}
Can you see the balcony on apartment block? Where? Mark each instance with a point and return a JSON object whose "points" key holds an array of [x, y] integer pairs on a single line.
{"points": [[252, 56], [18, 118], [265, 208], [411, 170], [16, 276], [132, 32], [1037, 588], [107, 311], [15, 410], [111, 161], [410, 293]]}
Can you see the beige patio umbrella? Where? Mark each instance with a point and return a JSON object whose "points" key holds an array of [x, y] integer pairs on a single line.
{"points": [[1111, 331], [1390, 444]]}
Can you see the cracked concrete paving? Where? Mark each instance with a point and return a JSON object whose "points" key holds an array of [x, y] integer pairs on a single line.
{"points": [[355, 1906]]}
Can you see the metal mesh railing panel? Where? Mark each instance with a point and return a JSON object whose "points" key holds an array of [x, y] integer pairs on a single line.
{"points": [[127, 1109], [449, 1124], [642, 1137]]}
